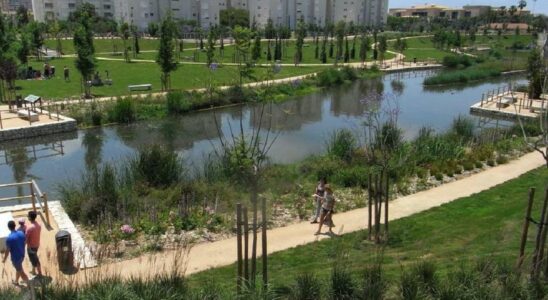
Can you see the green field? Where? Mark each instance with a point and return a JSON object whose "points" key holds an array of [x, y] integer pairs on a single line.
{"points": [[124, 74], [105, 45], [484, 225], [422, 49]]}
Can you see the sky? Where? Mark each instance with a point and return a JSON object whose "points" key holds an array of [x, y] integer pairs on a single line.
{"points": [[541, 6]]}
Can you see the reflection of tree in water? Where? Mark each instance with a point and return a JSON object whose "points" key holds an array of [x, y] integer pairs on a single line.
{"points": [[345, 99], [20, 163], [289, 116], [93, 142], [177, 133], [398, 87]]}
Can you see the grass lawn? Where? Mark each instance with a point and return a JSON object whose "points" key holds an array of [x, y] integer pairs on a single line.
{"points": [[124, 74], [487, 224], [105, 45], [422, 48]]}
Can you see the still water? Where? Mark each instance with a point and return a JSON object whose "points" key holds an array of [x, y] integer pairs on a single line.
{"points": [[301, 125]]}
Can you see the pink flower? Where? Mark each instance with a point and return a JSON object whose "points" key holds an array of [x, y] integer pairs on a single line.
{"points": [[127, 229]]}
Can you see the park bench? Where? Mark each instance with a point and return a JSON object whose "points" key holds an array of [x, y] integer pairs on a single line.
{"points": [[505, 101], [26, 114], [140, 87]]}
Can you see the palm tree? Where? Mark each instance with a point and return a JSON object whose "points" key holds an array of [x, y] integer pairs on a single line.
{"points": [[522, 4]]}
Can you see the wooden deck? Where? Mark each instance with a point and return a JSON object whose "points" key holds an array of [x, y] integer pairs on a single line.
{"points": [[508, 104]]}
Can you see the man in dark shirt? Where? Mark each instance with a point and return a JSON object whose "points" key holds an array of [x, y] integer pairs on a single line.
{"points": [[15, 246]]}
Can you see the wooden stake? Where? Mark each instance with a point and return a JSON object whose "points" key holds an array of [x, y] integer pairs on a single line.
{"points": [[369, 207], [246, 244], [525, 229], [239, 245], [33, 197], [264, 241], [254, 242], [536, 254], [386, 198], [540, 259]]}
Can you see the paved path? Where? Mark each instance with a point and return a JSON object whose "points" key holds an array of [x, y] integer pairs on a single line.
{"points": [[221, 253]]}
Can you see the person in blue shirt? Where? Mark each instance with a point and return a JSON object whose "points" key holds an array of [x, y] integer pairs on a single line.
{"points": [[15, 247]]}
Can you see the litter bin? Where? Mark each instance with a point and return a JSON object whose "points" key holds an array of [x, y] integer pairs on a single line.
{"points": [[65, 256]]}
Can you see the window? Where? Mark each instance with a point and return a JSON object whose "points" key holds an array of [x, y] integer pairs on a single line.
{"points": [[48, 5], [72, 5], [106, 6]]}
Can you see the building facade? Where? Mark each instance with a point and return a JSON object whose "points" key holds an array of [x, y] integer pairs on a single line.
{"points": [[440, 11], [207, 12]]}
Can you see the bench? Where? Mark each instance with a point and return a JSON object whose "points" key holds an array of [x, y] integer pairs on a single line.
{"points": [[140, 87], [505, 102], [26, 115]]}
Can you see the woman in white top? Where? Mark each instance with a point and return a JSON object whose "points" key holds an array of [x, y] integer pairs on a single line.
{"points": [[320, 191]]}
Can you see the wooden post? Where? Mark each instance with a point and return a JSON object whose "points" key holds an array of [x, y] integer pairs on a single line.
{"points": [[525, 229], [239, 245], [264, 242], [369, 206], [386, 198], [544, 232], [30, 120], [254, 228], [32, 196], [46, 207], [246, 244], [482, 95], [1, 126], [536, 254]]}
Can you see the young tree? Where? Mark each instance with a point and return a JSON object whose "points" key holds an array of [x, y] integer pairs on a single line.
{"points": [[210, 52], [365, 46], [153, 29], [124, 34], [535, 74], [346, 51], [323, 55], [242, 38], [340, 31], [22, 16], [85, 60], [268, 52], [166, 56], [375, 45], [256, 51], [400, 45], [136, 48], [36, 37], [269, 30], [301, 33], [383, 46], [24, 48], [331, 46], [353, 50]]}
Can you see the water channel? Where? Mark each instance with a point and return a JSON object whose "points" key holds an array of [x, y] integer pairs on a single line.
{"points": [[302, 126]]}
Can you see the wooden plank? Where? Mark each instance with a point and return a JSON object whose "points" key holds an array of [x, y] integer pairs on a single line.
{"points": [[15, 198], [13, 184], [36, 188]]}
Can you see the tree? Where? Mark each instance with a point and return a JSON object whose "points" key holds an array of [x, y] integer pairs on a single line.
{"points": [[375, 45], [136, 48], [85, 60], [166, 56], [365, 46], [353, 51], [36, 38], [24, 48], [316, 47], [383, 46], [323, 55], [55, 29], [400, 45], [268, 52], [346, 51], [153, 29], [340, 30], [242, 37], [301, 33], [256, 51], [522, 4], [22, 16], [269, 30], [331, 46], [210, 52], [535, 74], [124, 34], [233, 17]]}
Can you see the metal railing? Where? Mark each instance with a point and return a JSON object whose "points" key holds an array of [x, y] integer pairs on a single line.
{"points": [[36, 196], [15, 113]]}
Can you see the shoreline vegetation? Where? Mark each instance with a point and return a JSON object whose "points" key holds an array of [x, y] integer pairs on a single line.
{"points": [[125, 110]]}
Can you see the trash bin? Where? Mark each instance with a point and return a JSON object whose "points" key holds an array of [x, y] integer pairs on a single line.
{"points": [[65, 256]]}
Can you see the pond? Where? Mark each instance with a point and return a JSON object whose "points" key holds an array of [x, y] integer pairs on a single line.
{"points": [[301, 127]]}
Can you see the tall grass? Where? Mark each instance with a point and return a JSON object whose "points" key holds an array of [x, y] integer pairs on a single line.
{"points": [[157, 166], [342, 144]]}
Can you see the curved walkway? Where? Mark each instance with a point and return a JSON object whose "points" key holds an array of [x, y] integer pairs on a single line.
{"points": [[222, 253]]}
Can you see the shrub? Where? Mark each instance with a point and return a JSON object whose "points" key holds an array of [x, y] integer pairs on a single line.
{"points": [[342, 144], [491, 162], [468, 165], [350, 177], [409, 285], [479, 164], [463, 127], [342, 286], [438, 176], [452, 61], [349, 73], [307, 287], [329, 77], [176, 103], [374, 284], [502, 159], [157, 166], [123, 111], [426, 272]]}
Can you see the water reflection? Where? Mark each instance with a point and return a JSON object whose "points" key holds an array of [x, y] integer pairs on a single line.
{"points": [[303, 125]]}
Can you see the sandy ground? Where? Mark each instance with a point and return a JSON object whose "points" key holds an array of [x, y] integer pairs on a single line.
{"points": [[221, 253]]}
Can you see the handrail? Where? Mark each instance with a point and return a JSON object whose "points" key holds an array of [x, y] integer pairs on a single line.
{"points": [[35, 195]]}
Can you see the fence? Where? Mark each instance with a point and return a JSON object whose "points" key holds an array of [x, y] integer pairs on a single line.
{"points": [[32, 114], [36, 196]]}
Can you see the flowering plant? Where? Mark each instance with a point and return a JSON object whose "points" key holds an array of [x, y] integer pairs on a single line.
{"points": [[127, 229]]}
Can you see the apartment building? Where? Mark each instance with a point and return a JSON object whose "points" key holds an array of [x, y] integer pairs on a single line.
{"points": [[433, 10], [207, 12]]}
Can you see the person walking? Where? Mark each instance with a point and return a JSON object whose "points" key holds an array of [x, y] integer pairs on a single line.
{"points": [[15, 246], [328, 203], [320, 191], [22, 226], [66, 73], [33, 243]]}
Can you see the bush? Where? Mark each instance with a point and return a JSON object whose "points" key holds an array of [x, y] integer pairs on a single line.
{"points": [[96, 118], [374, 284], [342, 286], [452, 61], [479, 164], [438, 176], [176, 103], [307, 287], [463, 127], [468, 165], [329, 77], [342, 144], [123, 111], [157, 166], [502, 159], [350, 177], [491, 162]]}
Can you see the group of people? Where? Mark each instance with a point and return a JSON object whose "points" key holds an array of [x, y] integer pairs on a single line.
{"points": [[325, 204], [20, 238]]}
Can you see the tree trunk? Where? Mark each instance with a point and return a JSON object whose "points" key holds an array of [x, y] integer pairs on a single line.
{"points": [[254, 246]]}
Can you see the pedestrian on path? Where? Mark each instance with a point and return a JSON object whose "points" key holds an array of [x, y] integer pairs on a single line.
{"points": [[328, 204], [33, 243], [320, 191], [15, 247], [66, 73]]}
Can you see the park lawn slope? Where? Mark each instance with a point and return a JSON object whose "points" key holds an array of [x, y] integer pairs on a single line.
{"points": [[124, 74], [484, 225]]}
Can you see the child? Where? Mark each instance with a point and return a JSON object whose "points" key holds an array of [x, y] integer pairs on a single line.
{"points": [[22, 226], [328, 203]]}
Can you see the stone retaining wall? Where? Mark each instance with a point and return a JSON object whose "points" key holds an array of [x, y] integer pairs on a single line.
{"points": [[64, 125]]}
